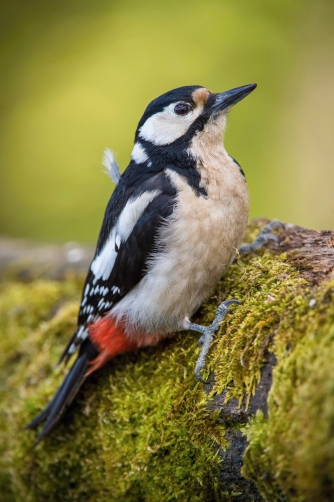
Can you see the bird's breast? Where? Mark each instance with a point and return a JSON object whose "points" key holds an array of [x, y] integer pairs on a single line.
{"points": [[207, 230], [198, 243]]}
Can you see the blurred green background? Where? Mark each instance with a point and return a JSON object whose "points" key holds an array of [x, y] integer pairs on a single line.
{"points": [[77, 75]]}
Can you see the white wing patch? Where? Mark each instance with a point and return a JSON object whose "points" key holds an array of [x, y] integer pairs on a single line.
{"points": [[139, 154], [112, 168], [105, 260]]}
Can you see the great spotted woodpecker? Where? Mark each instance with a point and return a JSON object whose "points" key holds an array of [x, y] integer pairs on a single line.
{"points": [[170, 231]]}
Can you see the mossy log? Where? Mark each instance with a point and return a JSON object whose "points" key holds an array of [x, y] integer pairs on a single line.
{"points": [[143, 428]]}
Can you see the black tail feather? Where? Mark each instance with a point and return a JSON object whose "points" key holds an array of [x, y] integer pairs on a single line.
{"points": [[42, 416], [66, 392], [65, 356]]}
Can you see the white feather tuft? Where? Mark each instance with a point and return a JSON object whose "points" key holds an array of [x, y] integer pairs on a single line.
{"points": [[112, 168]]}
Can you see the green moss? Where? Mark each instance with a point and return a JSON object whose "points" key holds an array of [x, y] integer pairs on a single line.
{"points": [[268, 288], [293, 451], [140, 429]]}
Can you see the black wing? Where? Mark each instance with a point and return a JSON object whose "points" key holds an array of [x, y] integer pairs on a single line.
{"points": [[101, 294]]}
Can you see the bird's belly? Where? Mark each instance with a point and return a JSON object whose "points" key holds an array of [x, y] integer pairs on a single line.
{"points": [[199, 244], [199, 251]]}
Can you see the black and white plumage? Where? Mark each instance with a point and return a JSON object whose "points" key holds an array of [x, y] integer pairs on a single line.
{"points": [[126, 240], [170, 230]]}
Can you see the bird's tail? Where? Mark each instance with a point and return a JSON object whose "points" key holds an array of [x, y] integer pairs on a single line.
{"points": [[106, 340], [66, 392]]}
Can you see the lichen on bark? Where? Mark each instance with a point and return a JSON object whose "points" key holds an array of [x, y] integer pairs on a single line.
{"points": [[143, 429]]}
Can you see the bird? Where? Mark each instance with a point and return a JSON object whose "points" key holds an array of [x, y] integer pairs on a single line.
{"points": [[171, 229]]}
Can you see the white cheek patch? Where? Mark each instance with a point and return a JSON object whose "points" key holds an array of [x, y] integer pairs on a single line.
{"points": [[165, 127], [105, 260], [138, 154]]}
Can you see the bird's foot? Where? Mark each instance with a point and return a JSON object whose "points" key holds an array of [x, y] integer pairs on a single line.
{"points": [[208, 333], [262, 239]]}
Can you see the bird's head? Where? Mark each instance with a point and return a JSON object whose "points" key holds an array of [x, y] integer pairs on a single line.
{"points": [[172, 120]]}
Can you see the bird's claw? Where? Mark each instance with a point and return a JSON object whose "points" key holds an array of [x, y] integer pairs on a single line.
{"points": [[200, 341], [227, 303], [271, 237], [198, 369], [208, 334], [262, 239]]}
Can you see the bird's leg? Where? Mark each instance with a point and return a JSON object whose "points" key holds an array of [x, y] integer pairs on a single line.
{"points": [[208, 334], [262, 239]]}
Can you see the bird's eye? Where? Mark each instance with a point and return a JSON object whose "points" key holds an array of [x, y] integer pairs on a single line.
{"points": [[182, 108]]}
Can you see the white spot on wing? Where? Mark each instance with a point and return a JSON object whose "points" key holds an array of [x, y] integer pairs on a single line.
{"points": [[138, 154], [82, 333], [80, 330], [104, 261], [112, 168]]}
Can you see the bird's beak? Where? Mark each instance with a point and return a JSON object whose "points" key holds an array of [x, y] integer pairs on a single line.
{"points": [[229, 98]]}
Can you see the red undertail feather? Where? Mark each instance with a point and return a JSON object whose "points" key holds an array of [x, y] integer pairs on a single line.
{"points": [[111, 340], [106, 340]]}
